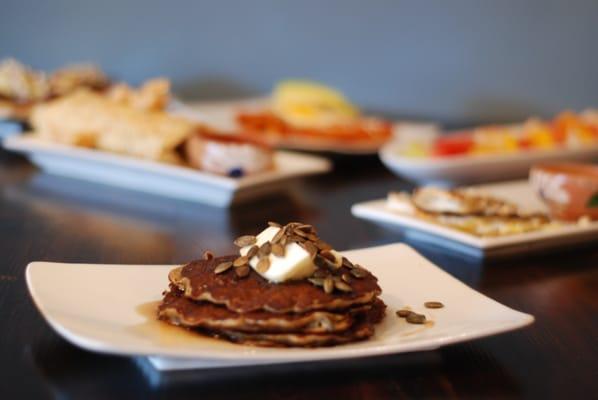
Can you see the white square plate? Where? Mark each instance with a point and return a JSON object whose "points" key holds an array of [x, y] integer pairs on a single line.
{"points": [[519, 192], [97, 307], [159, 178]]}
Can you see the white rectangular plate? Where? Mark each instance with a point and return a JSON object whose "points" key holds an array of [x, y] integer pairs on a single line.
{"points": [[518, 192], [159, 178], [96, 307]]}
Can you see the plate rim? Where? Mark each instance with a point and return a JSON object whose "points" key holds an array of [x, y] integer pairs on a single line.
{"points": [[31, 146]]}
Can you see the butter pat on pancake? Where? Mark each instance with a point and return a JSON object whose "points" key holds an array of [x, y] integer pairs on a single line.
{"points": [[296, 263]]}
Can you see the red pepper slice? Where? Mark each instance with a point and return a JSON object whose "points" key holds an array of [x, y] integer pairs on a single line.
{"points": [[453, 144]]}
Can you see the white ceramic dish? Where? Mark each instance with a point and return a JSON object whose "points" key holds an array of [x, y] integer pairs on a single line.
{"points": [[97, 308], [162, 179], [518, 192], [221, 115], [468, 169]]}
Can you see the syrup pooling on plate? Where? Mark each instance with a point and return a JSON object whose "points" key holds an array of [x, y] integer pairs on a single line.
{"points": [[165, 334], [286, 287]]}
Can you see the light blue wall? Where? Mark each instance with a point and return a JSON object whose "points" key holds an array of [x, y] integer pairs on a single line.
{"points": [[445, 59]]}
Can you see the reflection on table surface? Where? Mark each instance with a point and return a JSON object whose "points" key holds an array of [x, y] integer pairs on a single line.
{"points": [[58, 219]]}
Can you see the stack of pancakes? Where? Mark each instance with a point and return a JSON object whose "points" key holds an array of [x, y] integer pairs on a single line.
{"points": [[249, 309]]}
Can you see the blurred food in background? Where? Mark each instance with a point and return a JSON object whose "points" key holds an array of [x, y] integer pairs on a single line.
{"points": [[309, 115], [21, 87], [424, 153], [227, 154], [494, 220], [135, 122], [468, 210], [570, 190], [567, 130]]}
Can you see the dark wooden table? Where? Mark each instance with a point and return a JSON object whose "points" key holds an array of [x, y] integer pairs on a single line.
{"points": [[56, 219]]}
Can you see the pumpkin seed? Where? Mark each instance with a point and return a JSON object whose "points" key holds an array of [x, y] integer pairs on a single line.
{"points": [[241, 261], [415, 318], [242, 272], [295, 239], [359, 273], [208, 255], [301, 233], [313, 237], [433, 304], [252, 252], [278, 250], [279, 235], [310, 248], [320, 261], [403, 313], [328, 285], [283, 240], [245, 240], [316, 281], [263, 265], [265, 249], [342, 286], [326, 324], [322, 245], [327, 254], [347, 263], [347, 278], [222, 267]]}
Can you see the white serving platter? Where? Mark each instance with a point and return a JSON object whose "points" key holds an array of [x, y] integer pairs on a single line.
{"points": [[159, 178], [518, 192], [475, 169], [97, 308]]}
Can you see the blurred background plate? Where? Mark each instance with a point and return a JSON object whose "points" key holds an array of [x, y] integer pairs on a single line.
{"points": [[518, 192], [476, 169]]}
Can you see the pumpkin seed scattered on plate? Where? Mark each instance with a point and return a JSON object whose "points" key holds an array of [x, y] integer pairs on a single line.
{"points": [[415, 318], [433, 304]]}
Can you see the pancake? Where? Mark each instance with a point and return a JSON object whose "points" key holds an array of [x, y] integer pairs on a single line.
{"points": [[362, 329], [198, 281], [179, 310]]}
